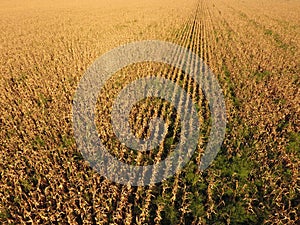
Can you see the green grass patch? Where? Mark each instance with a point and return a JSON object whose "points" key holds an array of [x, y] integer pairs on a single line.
{"points": [[276, 38], [38, 142], [294, 143], [261, 75]]}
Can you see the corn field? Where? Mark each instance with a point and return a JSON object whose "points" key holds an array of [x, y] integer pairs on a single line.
{"points": [[253, 49]]}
